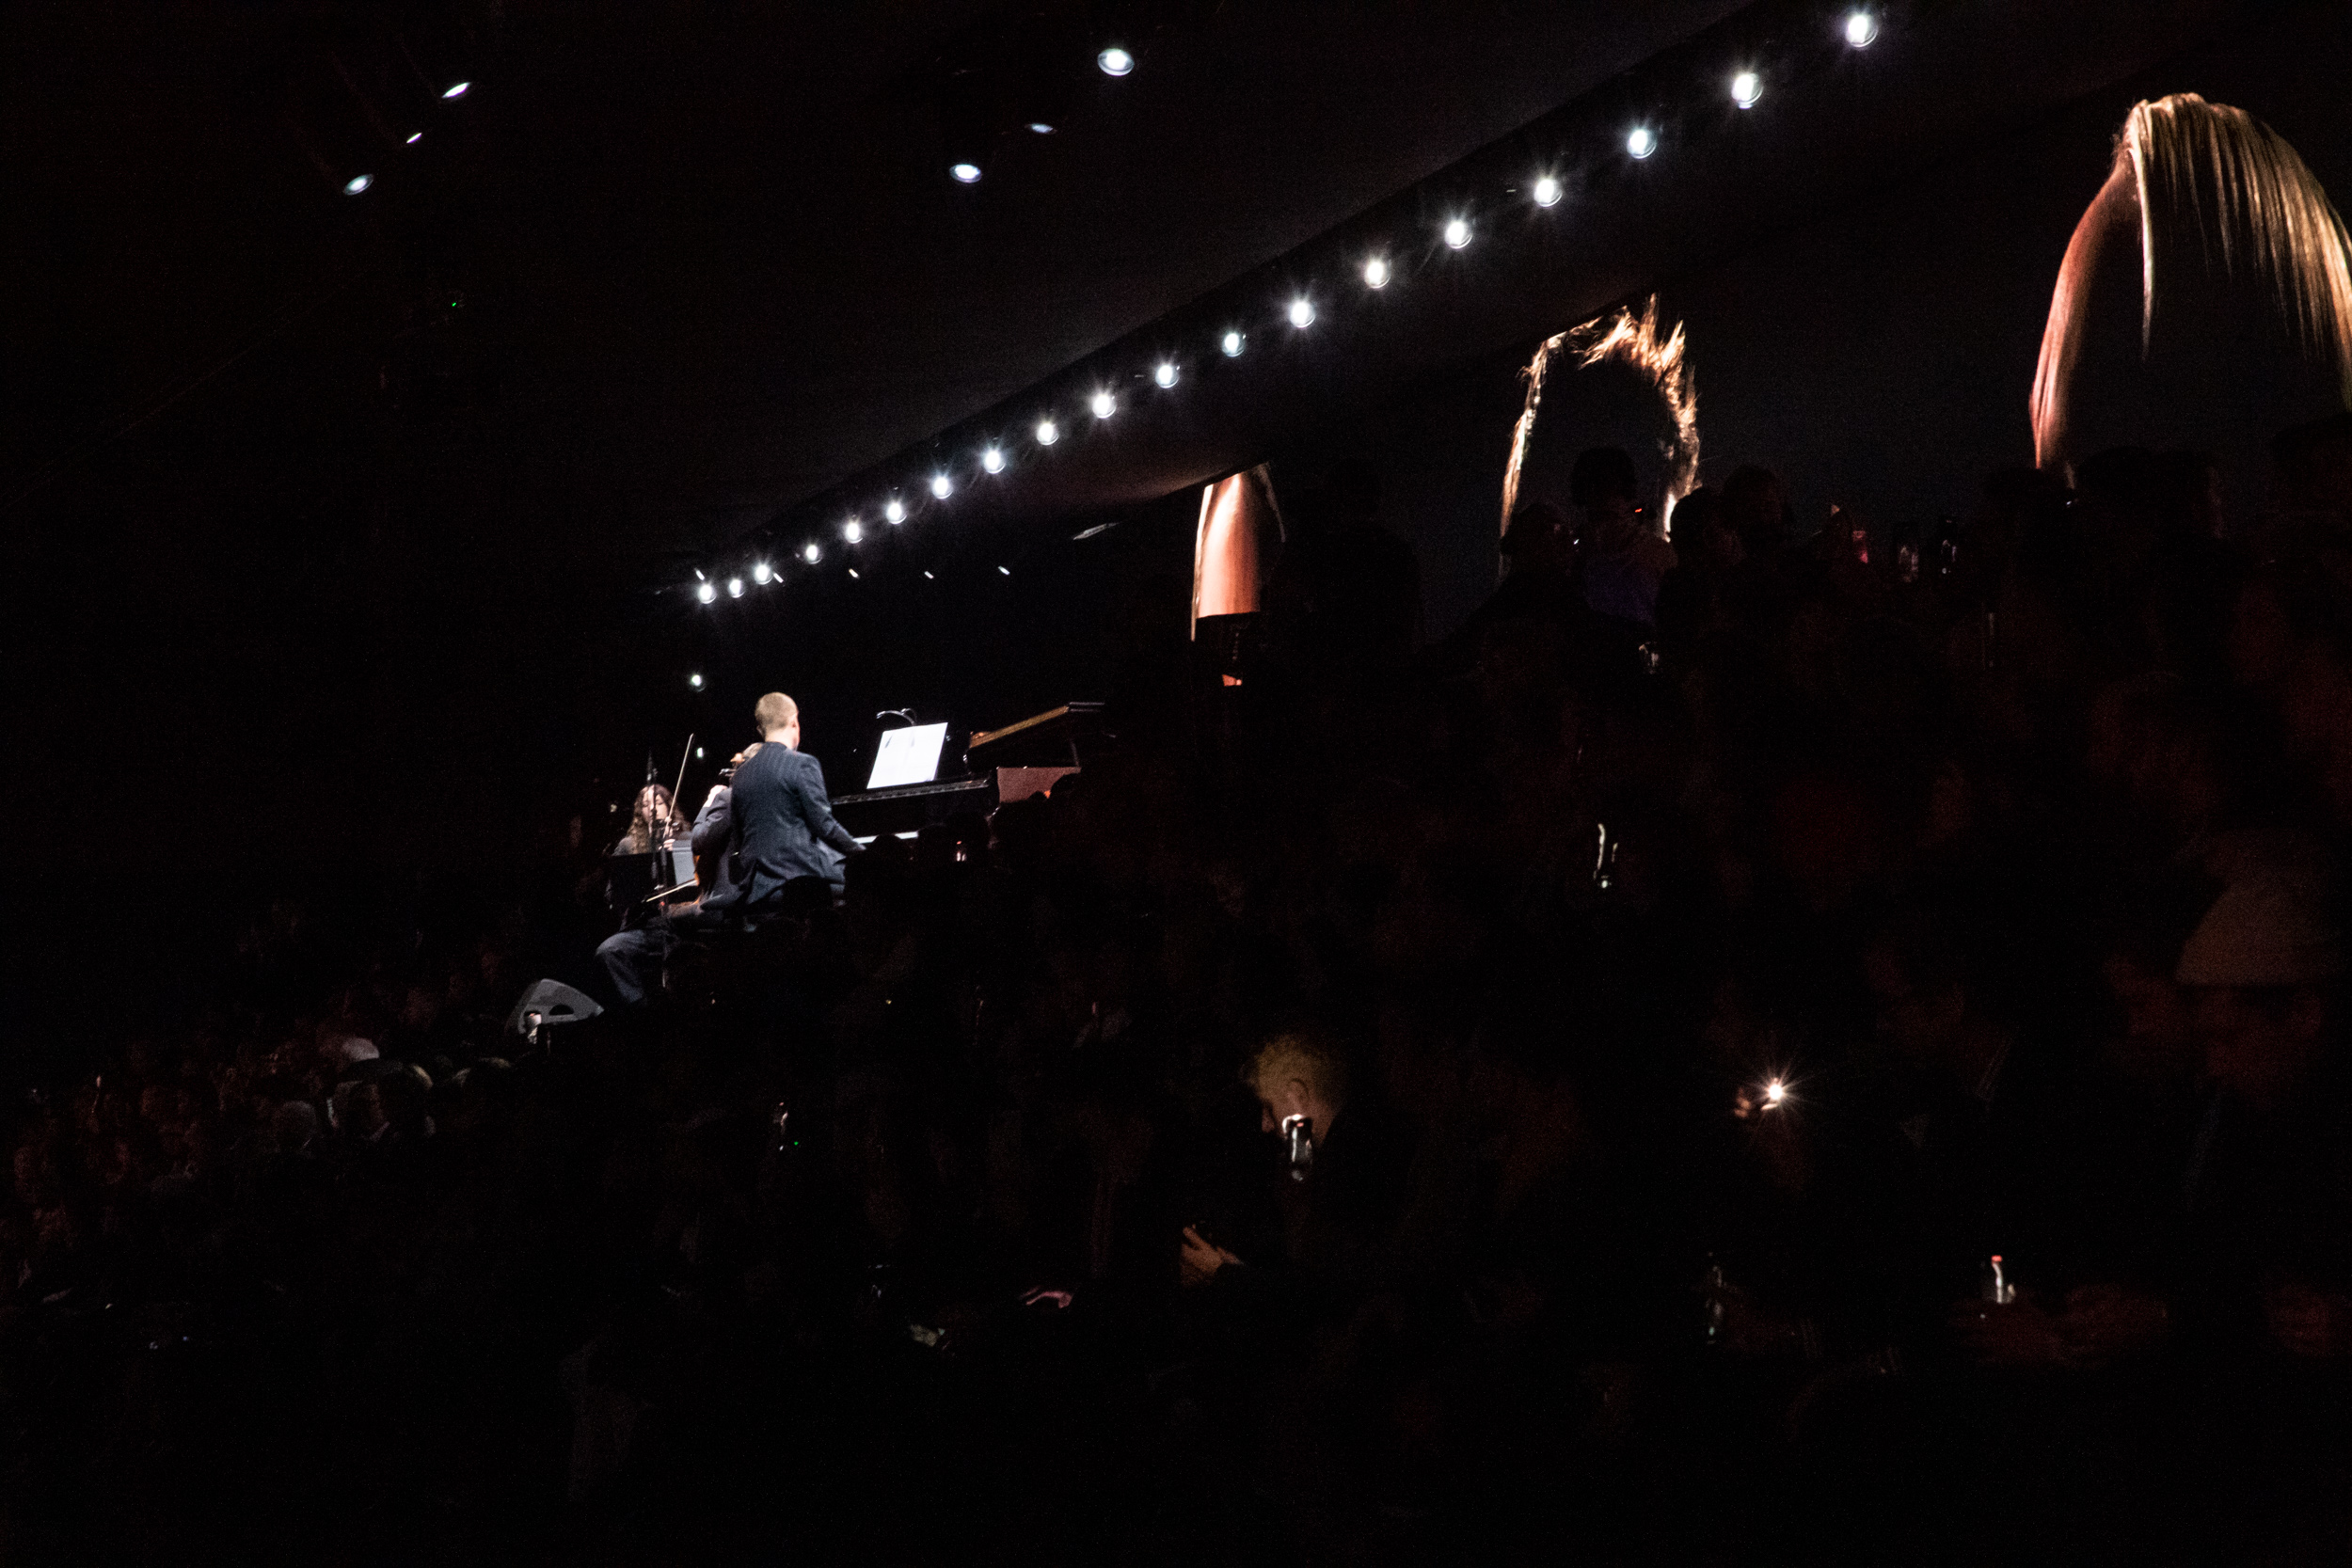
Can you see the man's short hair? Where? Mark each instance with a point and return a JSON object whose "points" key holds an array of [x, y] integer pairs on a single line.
{"points": [[1307, 1055], [774, 712]]}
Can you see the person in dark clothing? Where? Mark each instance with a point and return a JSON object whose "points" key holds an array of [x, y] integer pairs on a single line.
{"points": [[783, 821], [1620, 562], [1338, 1198], [714, 832], [632, 957], [1344, 601]]}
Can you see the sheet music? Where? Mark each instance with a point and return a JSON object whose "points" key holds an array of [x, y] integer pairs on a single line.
{"points": [[908, 756]]}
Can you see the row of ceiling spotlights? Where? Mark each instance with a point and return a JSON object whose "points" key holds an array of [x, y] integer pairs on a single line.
{"points": [[762, 575], [359, 184], [1861, 28]]}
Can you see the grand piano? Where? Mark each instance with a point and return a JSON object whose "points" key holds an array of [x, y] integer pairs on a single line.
{"points": [[1010, 763]]}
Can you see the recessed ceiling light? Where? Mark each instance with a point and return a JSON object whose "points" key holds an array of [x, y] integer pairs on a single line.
{"points": [[1457, 234], [965, 174], [1114, 61], [1548, 192], [457, 90], [358, 184], [1640, 141]]}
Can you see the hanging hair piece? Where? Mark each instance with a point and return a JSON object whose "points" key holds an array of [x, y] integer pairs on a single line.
{"points": [[2223, 175], [1524, 426], [1632, 340], [2218, 196]]}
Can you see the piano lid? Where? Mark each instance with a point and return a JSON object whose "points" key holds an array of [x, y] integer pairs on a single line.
{"points": [[1055, 731]]}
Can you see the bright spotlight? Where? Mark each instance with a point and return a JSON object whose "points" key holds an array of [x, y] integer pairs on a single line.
{"points": [[809, 552], [457, 90], [1376, 273], [695, 681], [762, 572], [966, 174], [852, 530], [1166, 373], [1114, 61], [1640, 141], [357, 183], [735, 588], [1104, 405], [1548, 192], [705, 593], [1006, 570], [1862, 28], [1774, 1092], [1302, 313], [1746, 89], [415, 137], [1047, 433], [1457, 233], [994, 460], [943, 486], [1233, 344], [894, 510], [1041, 128]]}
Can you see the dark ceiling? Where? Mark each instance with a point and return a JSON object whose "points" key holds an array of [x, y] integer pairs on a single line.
{"points": [[707, 255]]}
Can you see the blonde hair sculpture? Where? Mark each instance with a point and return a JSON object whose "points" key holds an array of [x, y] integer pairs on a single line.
{"points": [[2214, 201]]}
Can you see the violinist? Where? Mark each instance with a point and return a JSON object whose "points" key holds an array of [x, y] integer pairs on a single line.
{"points": [[635, 952]]}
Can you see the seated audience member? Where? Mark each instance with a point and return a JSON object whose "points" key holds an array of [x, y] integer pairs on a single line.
{"points": [[1620, 558], [1757, 512], [1339, 1179], [2268, 1253]]}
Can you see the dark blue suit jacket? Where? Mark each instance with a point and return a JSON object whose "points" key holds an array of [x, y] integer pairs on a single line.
{"points": [[783, 820], [714, 845]]}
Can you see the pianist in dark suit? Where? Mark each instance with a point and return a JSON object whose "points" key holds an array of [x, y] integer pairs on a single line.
{"points": [[784, 829]]}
